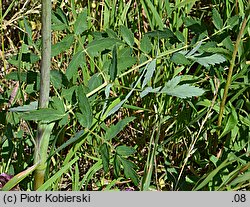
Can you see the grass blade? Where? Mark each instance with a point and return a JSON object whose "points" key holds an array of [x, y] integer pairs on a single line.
{"points": [[49, 182]]}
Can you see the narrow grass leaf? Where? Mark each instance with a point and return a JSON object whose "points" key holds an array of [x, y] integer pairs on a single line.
{"points": [[115, 129], [76, 181], [113, 66], [156, 15], [104, 151], [8, 9], [184, 3], [50, 181], [150, 68], [81, 22], [18, 178], [211, 175], [89, 175], [70, 141], [119, 105], [124, 15], [110, 108], [241, 179], [230, 125], [127, 35], [112, 185], [148, 177], [228, 178]]}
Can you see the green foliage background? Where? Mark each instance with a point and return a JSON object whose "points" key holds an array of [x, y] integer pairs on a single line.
{"points": [[135, 94]]}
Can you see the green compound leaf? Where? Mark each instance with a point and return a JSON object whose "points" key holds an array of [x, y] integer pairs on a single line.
{"points": [[149, 90], [172, 83], [62, 46], [183, 91], [45, 115], [145, 44], [125, 62], [210, 60], [99, 45], [77, 60], [125, 151], [129, 170], [81, 22], [86, 117], [218, 23], [179, 58], [173, 89], [117, 165], [56, 78], [104, 150], [127, 35]]}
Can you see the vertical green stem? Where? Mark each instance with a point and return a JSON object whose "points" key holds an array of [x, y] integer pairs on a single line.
{"points": [[2, 36], [46, 54], [43, 131], [232, 63]]}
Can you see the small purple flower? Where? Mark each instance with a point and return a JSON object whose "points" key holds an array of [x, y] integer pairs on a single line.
{"points": [[4, 178], [128, 189]]}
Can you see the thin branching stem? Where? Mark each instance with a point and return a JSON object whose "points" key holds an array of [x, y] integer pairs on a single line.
{"points": [[232, 64]]}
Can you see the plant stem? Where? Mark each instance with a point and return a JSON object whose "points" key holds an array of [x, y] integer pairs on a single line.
{"points": [[2, 38], [43, 131], [232, 63]]}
